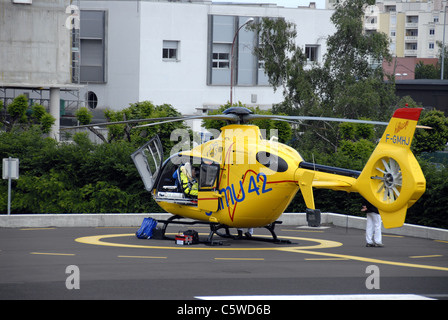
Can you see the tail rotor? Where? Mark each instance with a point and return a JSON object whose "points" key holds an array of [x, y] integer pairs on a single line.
{"points": [[392, 179]]}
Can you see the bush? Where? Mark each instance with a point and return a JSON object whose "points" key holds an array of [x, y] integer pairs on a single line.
{"points": [[430, 209], [72, 178], [18, 115]]}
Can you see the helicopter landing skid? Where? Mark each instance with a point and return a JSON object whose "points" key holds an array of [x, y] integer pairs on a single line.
{"points": [[270, 227], [161, 235], [214, 229]]}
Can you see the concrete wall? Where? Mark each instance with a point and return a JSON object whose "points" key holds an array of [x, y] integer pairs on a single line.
{"points": [[34, 43]]}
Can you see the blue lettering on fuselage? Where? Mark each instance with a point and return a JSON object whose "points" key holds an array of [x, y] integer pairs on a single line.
{"points": [[229, 191], [398, 139]]}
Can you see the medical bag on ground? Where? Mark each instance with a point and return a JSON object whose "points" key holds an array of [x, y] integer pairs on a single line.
{"points": [[146, 229], [194, 234], [186, 238]]}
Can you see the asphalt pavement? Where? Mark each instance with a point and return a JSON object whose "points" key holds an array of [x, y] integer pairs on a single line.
{"points": [[321, 263]]}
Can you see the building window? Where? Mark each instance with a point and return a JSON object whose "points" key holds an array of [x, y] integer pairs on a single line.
{"points": [[411, 32], [431, 45], [92, 99], [392, 46], [170, 50], [92, 43], [244, 67], [411, 19], [221, 32], [311, 52], [221, 56], [393, 19], [431, 32]]}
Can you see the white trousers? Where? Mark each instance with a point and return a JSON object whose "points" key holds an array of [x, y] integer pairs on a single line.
{"points": [[373, 228], [250, 230]]}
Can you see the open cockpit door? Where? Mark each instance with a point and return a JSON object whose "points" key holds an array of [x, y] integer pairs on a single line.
{"points": [[148, 159], [208, 195]]}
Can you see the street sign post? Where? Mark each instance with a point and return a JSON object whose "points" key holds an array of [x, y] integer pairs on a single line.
{"points": [[10, 172]]}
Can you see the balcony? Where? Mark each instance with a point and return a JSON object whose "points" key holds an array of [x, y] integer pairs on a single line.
{"points": [[410, 52], [411, 25], [371, 26], [411, 38]]}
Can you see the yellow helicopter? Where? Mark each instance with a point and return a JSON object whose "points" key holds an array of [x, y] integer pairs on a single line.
{"points": [[241, 180]]}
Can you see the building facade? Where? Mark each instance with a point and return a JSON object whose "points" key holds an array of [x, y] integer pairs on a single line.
{"points": [[64, 54], [413, 27], [180, 52], [35, 52]]}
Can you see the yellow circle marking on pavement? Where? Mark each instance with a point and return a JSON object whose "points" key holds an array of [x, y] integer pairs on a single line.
{"points": [[99, 240], [365, 259], [322, 244]]}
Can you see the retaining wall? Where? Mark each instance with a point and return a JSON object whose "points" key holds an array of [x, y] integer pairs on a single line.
{"points": [[135, 220]]}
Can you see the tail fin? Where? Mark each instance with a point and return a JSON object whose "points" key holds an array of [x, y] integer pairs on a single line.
{"points": [[392, 179]]}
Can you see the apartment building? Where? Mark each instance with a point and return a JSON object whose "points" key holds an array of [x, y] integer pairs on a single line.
{"points": [[413, 27]]}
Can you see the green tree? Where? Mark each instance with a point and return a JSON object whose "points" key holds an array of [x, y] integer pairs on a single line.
{"points": [[284, 64], [434, 139], [426, 71], [18, 114], [445, 65], [357, 86], [346, 85], [79, 177], [430, 209], [349, 48], [84, 116], [17, 108], [430, 71], [277, 49], [145, 110]]}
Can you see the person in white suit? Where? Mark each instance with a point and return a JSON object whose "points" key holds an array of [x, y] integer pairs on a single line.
{"points": [[373, 227]]}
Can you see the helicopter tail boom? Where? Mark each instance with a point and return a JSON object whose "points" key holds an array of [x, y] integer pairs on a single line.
{"points": [[392, 179]]}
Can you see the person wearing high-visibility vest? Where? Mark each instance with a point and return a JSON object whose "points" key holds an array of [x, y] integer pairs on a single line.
{"points": [[188, 180]]}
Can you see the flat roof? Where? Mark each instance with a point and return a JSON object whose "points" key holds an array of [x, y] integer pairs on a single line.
{"points": [[42, 86]]}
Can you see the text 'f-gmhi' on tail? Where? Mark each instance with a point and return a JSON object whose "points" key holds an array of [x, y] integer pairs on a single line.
{"points": [[392, 179]]}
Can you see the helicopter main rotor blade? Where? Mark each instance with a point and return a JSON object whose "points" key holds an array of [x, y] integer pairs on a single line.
{"points": [[294, 119], [238, 115], [304, 118], [102, 124], [228, 117]]}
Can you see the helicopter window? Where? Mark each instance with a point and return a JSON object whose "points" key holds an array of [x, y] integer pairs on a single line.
{"points": [[272, 161], [206, 173], [166, 181], [208, 176], [148, 160]]}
